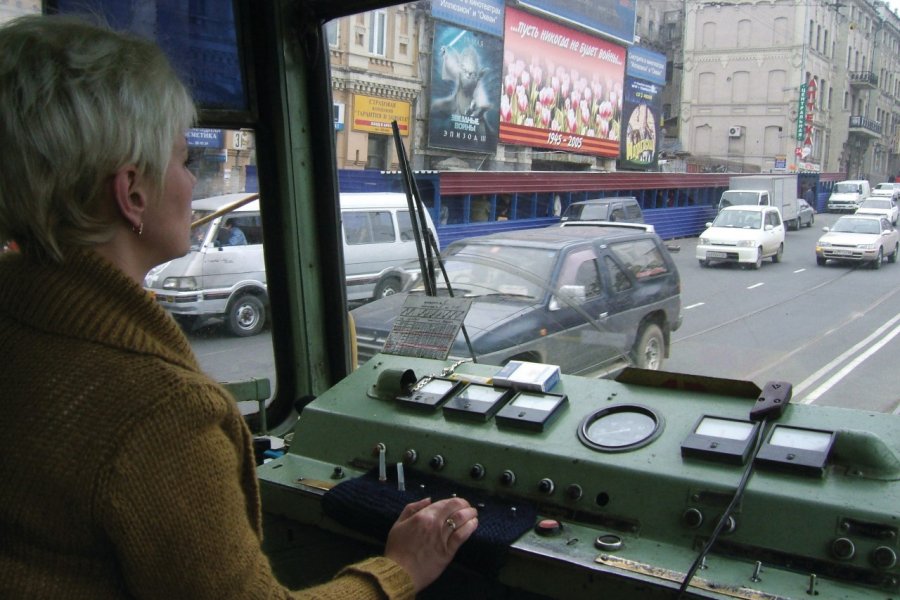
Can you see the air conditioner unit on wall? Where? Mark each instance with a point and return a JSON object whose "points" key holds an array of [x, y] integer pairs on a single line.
{"points": [[735, 131]]}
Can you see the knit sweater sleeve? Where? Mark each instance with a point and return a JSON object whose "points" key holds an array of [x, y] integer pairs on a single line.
{"points": [[176, 507]]}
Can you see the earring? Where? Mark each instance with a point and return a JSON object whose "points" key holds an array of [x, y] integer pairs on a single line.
{"points": [[139, 229]]}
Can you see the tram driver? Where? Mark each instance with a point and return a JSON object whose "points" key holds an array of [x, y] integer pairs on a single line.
{"points": [[127, 471]]}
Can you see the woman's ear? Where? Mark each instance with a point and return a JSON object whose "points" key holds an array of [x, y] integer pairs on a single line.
{"points": [[130, 195]]}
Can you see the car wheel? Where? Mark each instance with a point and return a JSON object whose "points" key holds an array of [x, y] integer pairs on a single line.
{"points": [[892, 257], [758, 263], [386, 287], [777, 257], [650, 348], [821, 261], [246, 316], [876, 264], [703, 263], [812, 219]]}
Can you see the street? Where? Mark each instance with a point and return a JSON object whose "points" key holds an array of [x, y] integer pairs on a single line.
{"points": [[830, 331]]}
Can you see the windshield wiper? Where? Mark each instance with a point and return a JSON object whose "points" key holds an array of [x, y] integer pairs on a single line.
{"points": [[506, 295]]}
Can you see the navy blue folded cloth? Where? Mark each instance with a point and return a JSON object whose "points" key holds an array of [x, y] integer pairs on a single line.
{"points": [[369, 506]]}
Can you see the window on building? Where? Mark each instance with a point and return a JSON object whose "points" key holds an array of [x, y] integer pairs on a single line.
{"points": [[706, 87], [377, 32], [781, 34], [775, 86], [740, 86], [377, 157], [709, 35], [743, 33]]}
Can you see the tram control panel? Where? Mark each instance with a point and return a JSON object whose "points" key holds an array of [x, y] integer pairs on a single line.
{"points": [[609, 488]]}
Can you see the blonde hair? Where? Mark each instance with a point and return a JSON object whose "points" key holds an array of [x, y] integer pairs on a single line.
{"points": [[79, 102]]}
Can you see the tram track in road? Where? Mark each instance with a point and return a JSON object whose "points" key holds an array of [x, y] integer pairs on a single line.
{"points": [[846, 361], [760, 310]]}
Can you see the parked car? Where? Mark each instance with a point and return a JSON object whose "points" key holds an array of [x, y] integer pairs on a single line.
{"points": [[806, 214], [887, 190], [742, 234], [583, 298], [859, 238], [619, 208], [879, 207]]}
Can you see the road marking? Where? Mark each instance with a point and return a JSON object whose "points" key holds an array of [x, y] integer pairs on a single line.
{"points": [[755, 285], [817, 393], [799, 270], [694, 305]]}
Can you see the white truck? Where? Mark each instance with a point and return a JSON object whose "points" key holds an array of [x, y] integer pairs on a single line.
{"points": [[779, 191]]}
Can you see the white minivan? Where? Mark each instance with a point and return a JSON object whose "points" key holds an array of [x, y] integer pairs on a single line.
{"points": [[848, 195], [223, 275]]}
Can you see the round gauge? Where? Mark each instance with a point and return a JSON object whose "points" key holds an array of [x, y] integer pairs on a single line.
{"points": [[620, 428]]}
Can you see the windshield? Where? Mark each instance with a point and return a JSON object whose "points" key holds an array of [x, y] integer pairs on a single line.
{"points": [[483, 270], [506, 132], [847, 188], [742, 219], [851, 225], [880, 204], [734, 198], [199, 232]]}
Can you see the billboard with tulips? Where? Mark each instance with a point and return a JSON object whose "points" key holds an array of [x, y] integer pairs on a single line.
{"points": [[561, 89]]}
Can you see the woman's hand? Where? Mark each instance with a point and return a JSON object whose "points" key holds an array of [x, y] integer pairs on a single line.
{"points": [[427, 535]]}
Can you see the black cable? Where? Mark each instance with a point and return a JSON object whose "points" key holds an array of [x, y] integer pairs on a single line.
{"points": [[738, 494]]}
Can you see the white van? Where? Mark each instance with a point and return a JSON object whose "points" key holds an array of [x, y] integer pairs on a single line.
{"points": [[219, 280], [848, 195]]}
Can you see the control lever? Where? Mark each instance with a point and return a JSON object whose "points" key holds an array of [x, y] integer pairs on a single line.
{"points": [[772, 401]]}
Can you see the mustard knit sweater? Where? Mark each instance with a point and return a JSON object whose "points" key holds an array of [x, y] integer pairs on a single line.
{"points": [[125, 472]]}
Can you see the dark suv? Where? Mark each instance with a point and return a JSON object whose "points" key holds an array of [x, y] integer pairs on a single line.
{"points": [[619, 208], [585, 299]]}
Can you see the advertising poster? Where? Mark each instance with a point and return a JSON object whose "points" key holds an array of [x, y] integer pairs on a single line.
{"points": [[643, 109], [478, 15], [465, 79], [613, 18], [562, 89]]}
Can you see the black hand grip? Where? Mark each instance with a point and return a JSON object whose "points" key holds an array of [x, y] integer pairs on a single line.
{"points": [[772, 401]]}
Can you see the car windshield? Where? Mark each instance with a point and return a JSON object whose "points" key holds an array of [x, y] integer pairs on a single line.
{"points": [[485, 270], [742, 219], [847, 188], [587, 212], [851, 225], [879, 204], [200, 231], [732, 198]]}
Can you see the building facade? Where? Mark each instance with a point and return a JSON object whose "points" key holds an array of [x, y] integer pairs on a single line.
{"points": [[791, 86]]}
